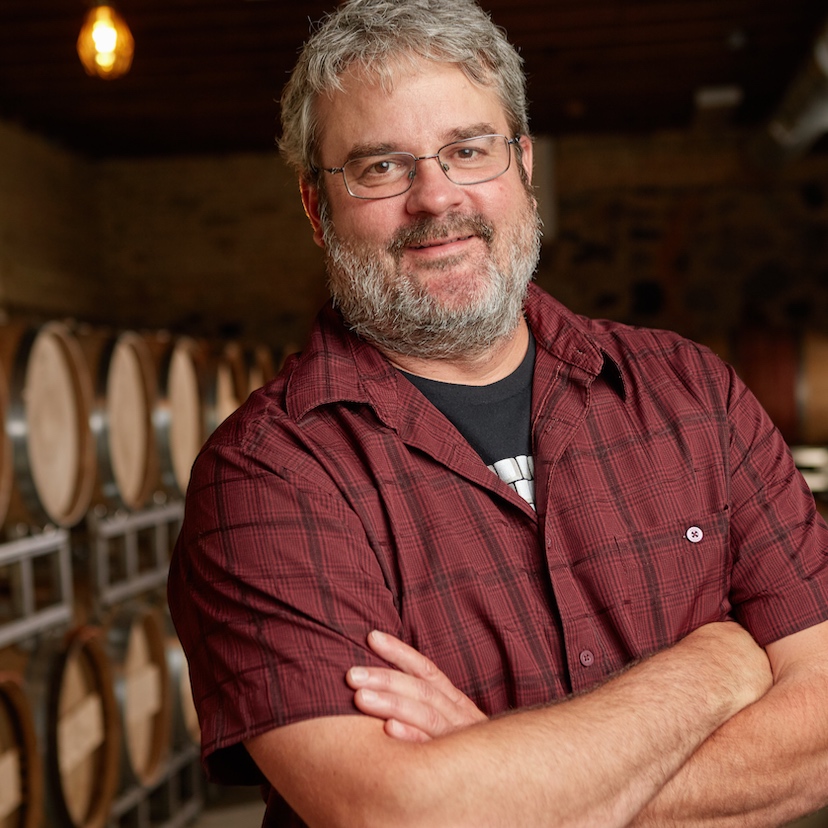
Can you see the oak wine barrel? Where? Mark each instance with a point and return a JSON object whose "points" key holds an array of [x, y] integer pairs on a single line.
{"points": [[21, 768], [179, 417], [788, 374], [262, 366], [124, 384], [138, 651], [6, 454], [80, 731], [230, 382], [50, 393], [185, 726]]}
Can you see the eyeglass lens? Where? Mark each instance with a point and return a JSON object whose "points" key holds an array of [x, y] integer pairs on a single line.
{"points": [[471, 161]]}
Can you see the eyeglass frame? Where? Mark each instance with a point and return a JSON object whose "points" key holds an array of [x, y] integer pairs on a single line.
{"points": [[412, 175]]}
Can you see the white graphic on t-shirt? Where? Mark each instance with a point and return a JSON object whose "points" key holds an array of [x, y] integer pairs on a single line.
{"points": [[519, 473]]}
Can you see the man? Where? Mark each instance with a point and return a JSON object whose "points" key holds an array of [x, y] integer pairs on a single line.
{"points": [[530, 500]]}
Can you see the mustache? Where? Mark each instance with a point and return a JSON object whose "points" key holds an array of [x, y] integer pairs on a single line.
{"points": [[426, 229]]}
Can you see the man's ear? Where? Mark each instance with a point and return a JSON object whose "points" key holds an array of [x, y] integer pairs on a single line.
{"points": [[526, 155], [310, 201]]}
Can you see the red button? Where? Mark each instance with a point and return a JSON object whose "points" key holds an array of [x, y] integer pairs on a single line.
{"points": [[587, 658]]}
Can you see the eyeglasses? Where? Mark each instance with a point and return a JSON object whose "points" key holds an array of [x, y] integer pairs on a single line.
{"points": [[470, 161]]}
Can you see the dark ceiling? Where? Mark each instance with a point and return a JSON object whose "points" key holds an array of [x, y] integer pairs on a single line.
{"points": [[207, 73]]}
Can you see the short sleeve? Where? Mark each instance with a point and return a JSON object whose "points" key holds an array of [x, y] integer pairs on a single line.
{"points": [[273, 588], [780, 572]]}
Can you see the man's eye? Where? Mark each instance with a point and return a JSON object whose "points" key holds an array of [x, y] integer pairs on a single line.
{"points": [[374, 168], [386, 165], [468, 155]]}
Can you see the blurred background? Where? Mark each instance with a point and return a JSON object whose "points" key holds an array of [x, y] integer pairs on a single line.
{"points": [[155, 265]]}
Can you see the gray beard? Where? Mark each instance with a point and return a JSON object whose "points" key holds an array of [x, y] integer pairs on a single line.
{"points": [[385, 306]]}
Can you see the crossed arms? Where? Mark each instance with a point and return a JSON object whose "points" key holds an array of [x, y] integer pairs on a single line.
{"points": [[763, 767], [597, 759]]}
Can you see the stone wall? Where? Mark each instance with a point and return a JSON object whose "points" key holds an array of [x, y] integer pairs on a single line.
{"points": [[49, 243], [217, 245], [680, 231]]}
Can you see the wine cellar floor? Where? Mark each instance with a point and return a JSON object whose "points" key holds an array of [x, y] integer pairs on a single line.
{"points": [[236, 807]]}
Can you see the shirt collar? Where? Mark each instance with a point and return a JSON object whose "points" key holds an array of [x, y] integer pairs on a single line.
{"points": [[337, 366], [569, 337]]}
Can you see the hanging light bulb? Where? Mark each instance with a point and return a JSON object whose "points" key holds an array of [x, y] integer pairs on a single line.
{"points": [[105, 44]]}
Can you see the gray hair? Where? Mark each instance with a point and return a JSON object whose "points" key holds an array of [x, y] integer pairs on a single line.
{"points": [[380, 37]]}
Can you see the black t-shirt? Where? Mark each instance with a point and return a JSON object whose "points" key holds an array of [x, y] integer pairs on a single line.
{"points": [[495, 419]]}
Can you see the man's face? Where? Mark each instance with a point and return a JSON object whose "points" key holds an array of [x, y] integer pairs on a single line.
{"points": [[441, 270]]}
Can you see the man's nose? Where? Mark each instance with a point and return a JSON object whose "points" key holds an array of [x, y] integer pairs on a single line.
{"points": [[431, 191]]}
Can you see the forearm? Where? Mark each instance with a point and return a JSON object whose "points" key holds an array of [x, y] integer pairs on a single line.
{"points": [[595, 760], [764, 767], [768, 764]]}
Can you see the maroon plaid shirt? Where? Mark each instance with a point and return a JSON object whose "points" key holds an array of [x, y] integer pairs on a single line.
{"points": [[339, 500]]}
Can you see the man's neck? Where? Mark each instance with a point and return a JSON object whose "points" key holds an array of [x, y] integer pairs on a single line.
{"points": [[498, 362]]}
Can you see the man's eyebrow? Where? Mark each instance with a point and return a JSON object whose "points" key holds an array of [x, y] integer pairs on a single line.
{"points": [[456, 134], [470, 131], [361, 150]]}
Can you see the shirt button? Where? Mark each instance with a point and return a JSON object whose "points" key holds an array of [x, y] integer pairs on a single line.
{"points": [[694, 534], [587, 658]]}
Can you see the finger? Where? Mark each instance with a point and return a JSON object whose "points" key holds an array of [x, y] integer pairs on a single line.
{"points": [[403, 732], [392, 684], [455, 708], [402, 656], [408, 713], [414, 663]]}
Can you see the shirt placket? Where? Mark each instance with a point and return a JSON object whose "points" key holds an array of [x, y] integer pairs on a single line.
{"points": [[566, 412]]}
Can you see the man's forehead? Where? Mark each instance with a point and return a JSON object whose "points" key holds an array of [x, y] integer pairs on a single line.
{"points": [[377, 112]]}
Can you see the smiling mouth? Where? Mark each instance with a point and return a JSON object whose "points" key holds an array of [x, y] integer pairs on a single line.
{"points": [[428, 233], [441, 242]]}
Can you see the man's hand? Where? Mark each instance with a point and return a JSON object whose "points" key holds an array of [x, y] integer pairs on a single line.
{"points": [[417, 700]]}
